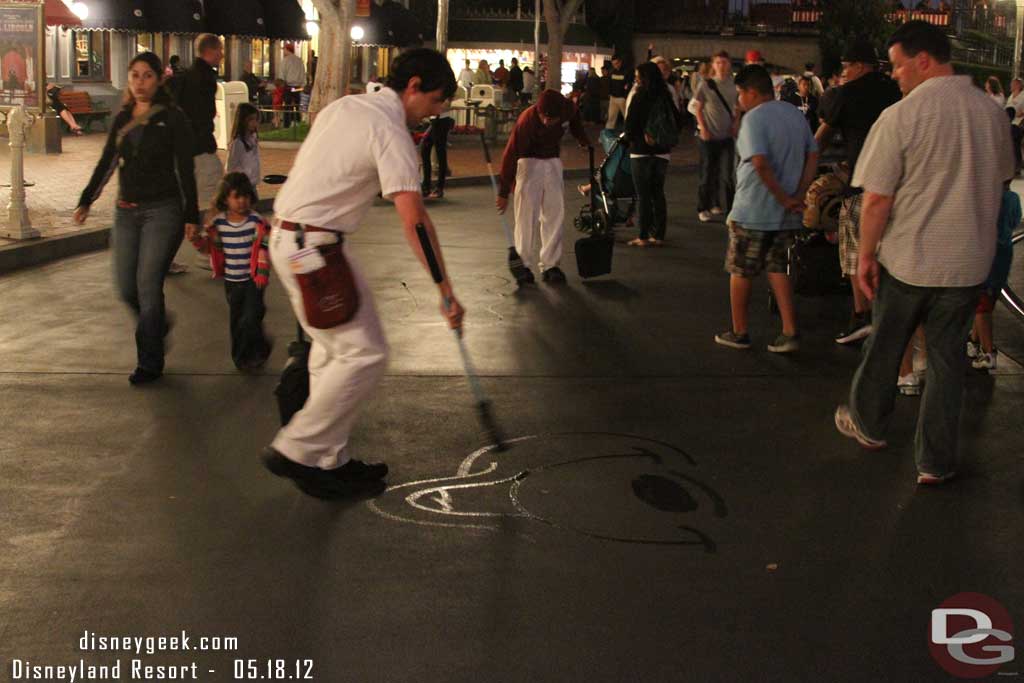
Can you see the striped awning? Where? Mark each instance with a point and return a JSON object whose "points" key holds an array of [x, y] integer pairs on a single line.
{"points": [[285, 20], [58, 14], [117, 15], [236, 17]]}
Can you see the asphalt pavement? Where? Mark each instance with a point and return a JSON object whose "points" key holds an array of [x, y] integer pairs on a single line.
{"points": [[669, 510]]}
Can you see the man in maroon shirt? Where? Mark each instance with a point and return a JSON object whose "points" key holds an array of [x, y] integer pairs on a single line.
{"points": [[531, 164]]}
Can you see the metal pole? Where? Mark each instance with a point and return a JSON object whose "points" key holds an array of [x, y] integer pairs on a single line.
{"points": [[18, 225], [536, 49], [1018, 43]]}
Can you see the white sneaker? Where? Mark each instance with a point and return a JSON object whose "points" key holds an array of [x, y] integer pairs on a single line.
{"points": [[973, 349], [984, 361], [704, 216], [717, 211], [909, 385]]}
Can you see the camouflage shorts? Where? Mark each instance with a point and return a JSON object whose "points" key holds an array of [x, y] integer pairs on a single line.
{"points": [[849, 234], [751, 251]]}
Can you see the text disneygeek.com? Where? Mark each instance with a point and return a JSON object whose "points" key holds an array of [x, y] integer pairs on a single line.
{"points": [[137, 668]]}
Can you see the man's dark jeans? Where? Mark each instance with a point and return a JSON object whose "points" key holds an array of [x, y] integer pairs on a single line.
{"points": [[292, 98], [145, 240], [649, 181], [717, 175], [946, 313], [436, 138], [248, 343]]}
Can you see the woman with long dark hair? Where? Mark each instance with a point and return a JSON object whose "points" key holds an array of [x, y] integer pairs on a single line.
{"points": [[649, 159], [151, 142]]}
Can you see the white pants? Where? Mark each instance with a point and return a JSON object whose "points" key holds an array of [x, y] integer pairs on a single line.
{"points": [[540, 206], [346, 364], [616, 105]]}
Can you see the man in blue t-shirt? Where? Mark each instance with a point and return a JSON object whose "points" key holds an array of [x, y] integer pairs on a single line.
{"points": [[778, 160]]}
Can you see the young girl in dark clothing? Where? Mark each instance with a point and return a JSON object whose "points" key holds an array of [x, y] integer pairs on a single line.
{"points": [[151, 142]]}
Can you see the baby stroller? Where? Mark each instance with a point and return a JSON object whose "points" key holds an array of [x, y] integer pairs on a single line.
{"points": [[613, 180]]}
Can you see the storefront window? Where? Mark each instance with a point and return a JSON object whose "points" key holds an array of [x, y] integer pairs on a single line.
{"points": [[145, 42], [90, 55], [260, 58]]}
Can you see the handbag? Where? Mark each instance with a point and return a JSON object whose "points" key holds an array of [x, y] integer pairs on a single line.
{"points": [[329, 294]]}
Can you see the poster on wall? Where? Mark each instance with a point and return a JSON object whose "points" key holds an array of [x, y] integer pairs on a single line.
{"points": [[21, 56]]}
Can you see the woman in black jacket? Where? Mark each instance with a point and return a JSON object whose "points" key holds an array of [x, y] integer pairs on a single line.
{"points": [[151, 142], [649, 163]]}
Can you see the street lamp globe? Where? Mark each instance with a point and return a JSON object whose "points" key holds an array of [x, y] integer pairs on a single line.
{"points": [[81, 10], [313, 27], [358, 33]]}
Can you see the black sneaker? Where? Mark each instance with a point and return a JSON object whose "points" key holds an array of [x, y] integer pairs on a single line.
{"points": [[733, 340], [143, 376], [554, 275], [357, 470], [858, 329]]}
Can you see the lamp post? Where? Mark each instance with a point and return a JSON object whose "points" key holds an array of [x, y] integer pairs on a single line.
{"points": [[18, 226], [1018, 42]]}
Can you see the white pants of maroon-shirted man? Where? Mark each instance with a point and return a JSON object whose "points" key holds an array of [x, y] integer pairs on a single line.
{"points": [[346, 363], [540, 210]]}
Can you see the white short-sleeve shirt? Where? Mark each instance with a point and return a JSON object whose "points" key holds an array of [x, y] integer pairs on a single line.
{"points": [[358, 147]]}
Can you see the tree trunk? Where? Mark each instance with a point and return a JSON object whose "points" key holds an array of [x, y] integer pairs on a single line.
{"points": [[441, 42], [557, 15], [333, 71]]}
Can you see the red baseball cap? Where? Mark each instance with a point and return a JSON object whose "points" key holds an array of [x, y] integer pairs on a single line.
{"points": [[753, 56]]}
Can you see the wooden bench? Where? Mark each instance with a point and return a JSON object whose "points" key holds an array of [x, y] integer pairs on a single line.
{"points": [[79, 104]]}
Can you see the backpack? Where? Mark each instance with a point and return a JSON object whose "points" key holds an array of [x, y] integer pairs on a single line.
{"points": [[661, 124]]}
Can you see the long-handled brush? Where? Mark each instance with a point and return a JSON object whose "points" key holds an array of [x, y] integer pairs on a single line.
{"points": [[483, 406], [519, 271]]}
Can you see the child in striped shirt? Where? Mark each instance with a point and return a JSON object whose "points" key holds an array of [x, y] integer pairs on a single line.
{"points": [[238, 244]]}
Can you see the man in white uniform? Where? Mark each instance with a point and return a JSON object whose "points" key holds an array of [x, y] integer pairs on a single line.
{"points": [[359, 147]]}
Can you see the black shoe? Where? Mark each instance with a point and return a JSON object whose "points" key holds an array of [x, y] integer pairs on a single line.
{"points": [[143, 376], [312, 481], [554, 275], [357, 470], [524, 276], [858, 329]]}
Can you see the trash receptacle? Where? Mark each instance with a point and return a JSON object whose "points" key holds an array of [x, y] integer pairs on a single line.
{"points": [[229, 96]]}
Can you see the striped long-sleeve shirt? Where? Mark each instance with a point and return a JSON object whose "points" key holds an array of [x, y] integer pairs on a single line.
{"points": [[236, 240]]}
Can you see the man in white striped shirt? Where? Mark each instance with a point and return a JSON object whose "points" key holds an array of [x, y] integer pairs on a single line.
{"points": [[932, 170]]}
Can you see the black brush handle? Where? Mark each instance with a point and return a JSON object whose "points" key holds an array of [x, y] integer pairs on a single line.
{"points": [[428, 253], [487, 150]]}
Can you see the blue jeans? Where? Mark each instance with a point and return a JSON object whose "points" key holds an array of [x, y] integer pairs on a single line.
{"points": [[245, 303], [946, 313], [145, 240]]}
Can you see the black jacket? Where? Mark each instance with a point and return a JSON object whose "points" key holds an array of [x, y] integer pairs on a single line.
{"points": [[155, 161], [515, 79], [636, 121], [196, 92]]}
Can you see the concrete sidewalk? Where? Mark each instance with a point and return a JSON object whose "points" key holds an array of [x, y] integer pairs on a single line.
{"points": [[59, 180]]}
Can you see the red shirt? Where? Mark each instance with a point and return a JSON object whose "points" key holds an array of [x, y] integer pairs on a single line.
{"points": [[531, 139]]}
